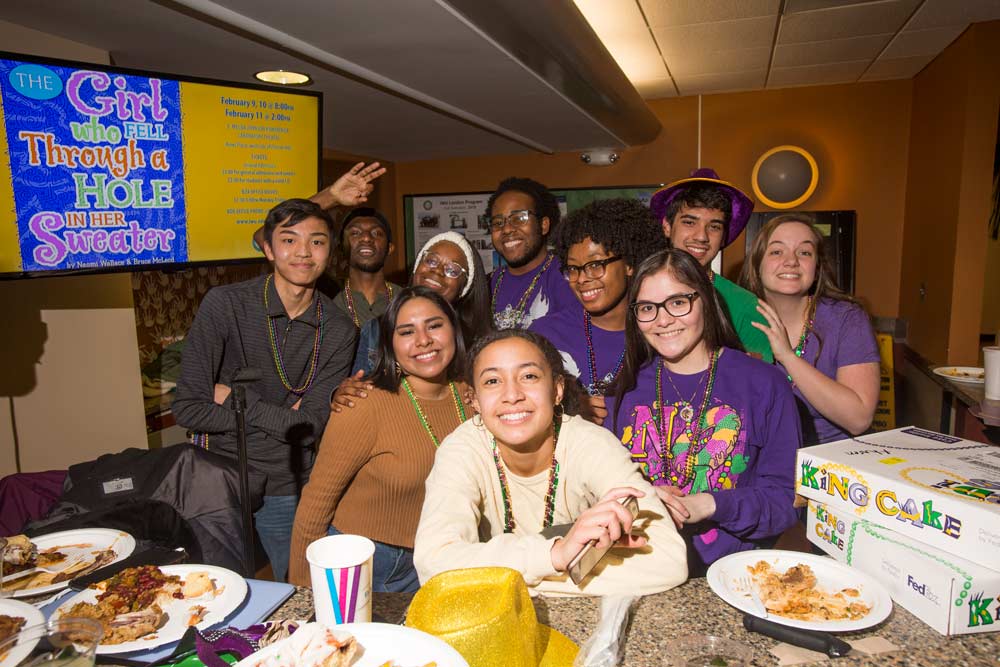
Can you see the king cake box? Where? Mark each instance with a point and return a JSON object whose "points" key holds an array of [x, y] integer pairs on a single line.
{"points": [[938, 490], [951, 594]]}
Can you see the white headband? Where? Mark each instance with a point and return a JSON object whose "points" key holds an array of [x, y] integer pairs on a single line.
{"points": [[463, 244]]}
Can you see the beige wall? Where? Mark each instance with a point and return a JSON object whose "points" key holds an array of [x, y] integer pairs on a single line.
{"points": [[69, 388], [859, 133], [952, 143]]}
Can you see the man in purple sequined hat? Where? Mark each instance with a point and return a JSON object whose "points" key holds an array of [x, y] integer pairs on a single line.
{"points": [[701, 215]]}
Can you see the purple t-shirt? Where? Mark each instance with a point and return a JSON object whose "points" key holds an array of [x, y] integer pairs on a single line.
{"points": [[842, 336], [746, 457], [550, 294], [566, 330]]}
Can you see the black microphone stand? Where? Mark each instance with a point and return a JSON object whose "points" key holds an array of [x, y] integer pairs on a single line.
{"points": [[241, 378]]}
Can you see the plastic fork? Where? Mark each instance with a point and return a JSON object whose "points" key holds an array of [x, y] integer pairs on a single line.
{"points": [[36, 570], [746, 587]]}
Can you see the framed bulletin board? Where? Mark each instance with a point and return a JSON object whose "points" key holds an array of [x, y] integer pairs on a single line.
{"points": [[425, 215]]}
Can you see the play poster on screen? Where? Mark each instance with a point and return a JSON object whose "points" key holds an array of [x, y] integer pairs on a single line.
{"points": [[103, 169]]}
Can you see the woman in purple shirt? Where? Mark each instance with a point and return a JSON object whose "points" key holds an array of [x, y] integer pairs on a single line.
{"points": [[714, 429], [820, 336]]}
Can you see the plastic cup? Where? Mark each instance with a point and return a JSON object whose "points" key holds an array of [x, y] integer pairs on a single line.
{"points": [[991, 369], [341, 570], [63, 642]]}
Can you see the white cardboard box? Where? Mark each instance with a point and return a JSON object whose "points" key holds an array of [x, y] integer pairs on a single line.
{"points": [[936, 489], [948, 593]]}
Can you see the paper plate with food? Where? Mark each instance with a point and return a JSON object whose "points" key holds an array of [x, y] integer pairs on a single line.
{"points": [[149, 606], [800, 590], [14, 616], [47, 563], [356, 645], [965, 374]]}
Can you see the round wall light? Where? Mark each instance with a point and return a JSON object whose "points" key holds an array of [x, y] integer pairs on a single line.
{"points": [[283, 77], [785, 177]]}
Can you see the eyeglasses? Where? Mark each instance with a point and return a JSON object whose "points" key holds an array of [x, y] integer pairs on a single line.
{"points": [[451, 269], [676, 305], [514, 218], [595, 269]]}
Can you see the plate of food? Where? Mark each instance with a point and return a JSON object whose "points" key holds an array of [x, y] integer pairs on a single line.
{"points": [[14, 616], [800, 590], [54, 559], [357, 645], [149, 606], [965, 374]]}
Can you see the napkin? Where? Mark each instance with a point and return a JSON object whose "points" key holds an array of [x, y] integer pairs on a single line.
{"points": [[793, 655]]}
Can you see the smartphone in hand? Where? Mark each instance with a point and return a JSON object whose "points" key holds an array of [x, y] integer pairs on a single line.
{"points": [[590, 555]]}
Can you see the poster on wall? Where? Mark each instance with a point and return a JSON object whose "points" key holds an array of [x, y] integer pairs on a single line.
{"points": [[465, 213], [106, 168]]}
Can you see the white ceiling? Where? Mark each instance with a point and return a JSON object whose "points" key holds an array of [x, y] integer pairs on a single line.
{"points": [[420, 79], [688, 47]]}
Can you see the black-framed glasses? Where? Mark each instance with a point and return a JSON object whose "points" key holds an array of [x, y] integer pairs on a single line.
{"points": [[676, 305], [595, 269], [515, 218], [451, 269]]}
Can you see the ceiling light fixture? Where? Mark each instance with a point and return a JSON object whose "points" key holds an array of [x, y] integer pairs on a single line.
{"points": [[283, 77]]}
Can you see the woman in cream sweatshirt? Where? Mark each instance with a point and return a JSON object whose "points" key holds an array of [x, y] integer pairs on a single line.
{"points": [[505, 482]]}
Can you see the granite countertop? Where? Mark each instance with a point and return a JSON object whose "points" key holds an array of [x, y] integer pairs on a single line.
{"points": [[692, 608]]}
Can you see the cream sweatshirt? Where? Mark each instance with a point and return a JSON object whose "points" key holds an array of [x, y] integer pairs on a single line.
{"points": [[461, 524]]}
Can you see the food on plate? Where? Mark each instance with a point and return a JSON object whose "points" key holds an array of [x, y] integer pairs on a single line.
{"points": [[132, 603], [49, 557], [312, 645], [794, 594], [197, 614], [10, 626], [392, 663], [22, 554], [958, 373]]}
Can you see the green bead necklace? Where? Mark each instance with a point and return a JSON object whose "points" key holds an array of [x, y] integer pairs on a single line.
{"points": [[459, 408]]}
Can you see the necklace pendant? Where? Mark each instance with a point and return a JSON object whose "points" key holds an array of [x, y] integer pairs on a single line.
{"points": [[687, 412]]}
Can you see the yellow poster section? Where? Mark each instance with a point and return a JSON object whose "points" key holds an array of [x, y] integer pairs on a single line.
{"points": [[885, 413], [244, 151], [10, 249]]}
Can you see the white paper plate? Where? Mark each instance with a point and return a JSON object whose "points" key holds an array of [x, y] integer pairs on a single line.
{"points": [[831, 575], [82, 542], [380, 643], [972, 374], [232, 585], [32, 617]]}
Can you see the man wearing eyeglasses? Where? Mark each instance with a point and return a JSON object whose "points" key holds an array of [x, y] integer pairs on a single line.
{"points": [[599, 247], [701, 215], [365, 243], [529, 284]]}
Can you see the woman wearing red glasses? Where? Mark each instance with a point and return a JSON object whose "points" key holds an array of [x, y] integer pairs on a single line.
{"points": [[714, 429]]}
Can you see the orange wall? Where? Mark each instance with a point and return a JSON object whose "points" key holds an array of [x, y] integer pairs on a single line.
{"points": [[952, 143], [853, 130]]}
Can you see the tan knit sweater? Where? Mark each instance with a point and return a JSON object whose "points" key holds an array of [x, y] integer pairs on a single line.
{"points": [[369, 476]]}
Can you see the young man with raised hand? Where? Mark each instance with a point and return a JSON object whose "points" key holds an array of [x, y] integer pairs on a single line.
{"points": [[365, 243], [530, 284], [300, 344], [702, 215]]}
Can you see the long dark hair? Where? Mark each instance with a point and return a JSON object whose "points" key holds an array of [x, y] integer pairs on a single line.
{"points": [[717, 332], [475, 313], [573, 397], [384, 373]]}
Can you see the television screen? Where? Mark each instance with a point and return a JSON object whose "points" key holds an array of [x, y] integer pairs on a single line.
{"points": [[103, 169]]}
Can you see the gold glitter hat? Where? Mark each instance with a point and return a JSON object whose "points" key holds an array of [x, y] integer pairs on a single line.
{"points": [[486, 615]]}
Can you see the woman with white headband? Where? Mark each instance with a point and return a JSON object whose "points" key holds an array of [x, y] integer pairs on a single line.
{"points": [[448, 265]]}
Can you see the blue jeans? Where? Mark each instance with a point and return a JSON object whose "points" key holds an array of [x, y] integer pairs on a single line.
{"points": [[392, 569], [274, 527]]}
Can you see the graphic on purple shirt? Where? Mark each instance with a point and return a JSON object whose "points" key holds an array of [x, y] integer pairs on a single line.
{"points": [[842, 336], [752, 408], [566, 331], [551, 294]]}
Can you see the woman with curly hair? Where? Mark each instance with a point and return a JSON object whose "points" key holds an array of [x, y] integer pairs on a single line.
{"points": [[821, 337], [599, 247]]}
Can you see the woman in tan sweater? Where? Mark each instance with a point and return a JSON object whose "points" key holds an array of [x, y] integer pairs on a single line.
{"points": [[369, 476]]}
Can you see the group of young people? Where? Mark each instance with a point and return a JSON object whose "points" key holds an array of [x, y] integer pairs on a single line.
{"points": [[468, 420]]}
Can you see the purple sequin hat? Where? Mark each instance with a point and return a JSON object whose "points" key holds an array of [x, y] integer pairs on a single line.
{"points": [[741, 204]]}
